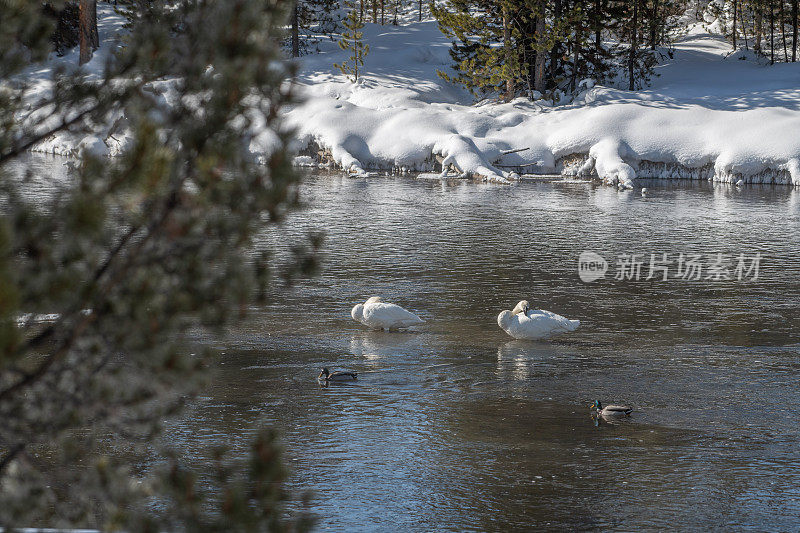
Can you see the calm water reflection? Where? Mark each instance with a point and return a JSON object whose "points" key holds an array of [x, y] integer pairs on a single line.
{"points": [[459, 427]]}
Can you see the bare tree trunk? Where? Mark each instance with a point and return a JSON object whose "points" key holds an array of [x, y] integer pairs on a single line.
{"points": [[383, 12], [509, 56], [634, 44], [743, 25], [794, 31], [420, 10], [759, 29], [576, 56], [654, 26], [396, 11], [374, 11], [296, 30], [555, 52], [541, 53], [85, 28], [771, 33], [95, 33], [598, 36], [735, 4], [782, 21]]}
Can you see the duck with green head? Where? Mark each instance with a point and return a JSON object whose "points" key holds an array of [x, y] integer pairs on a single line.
{"points": [[612, 411]]}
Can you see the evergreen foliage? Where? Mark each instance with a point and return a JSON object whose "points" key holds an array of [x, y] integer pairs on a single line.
{"points": [[99, 281], [65, 35], [352, 40], [547, 47]]}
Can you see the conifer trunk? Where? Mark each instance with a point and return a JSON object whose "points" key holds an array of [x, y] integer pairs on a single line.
{"points": [[87, 13], [759, 32], [654, 26], [771, 33], [95, 34], [576, 56], [538, 78], [634, 44], [781, 21], [794, 31], [509, 56], [295, 31], [598, 35], [555, 52], [735, 4]]}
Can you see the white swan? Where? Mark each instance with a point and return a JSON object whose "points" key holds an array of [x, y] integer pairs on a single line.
{"points": [[378, 314], [525, 323]]}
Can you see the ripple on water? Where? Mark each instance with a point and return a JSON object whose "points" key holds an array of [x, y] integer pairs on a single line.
{"points": [[459, 427]]}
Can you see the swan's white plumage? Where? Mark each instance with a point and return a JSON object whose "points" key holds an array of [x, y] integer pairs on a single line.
{"points": [[536, 324], [378, 314]]}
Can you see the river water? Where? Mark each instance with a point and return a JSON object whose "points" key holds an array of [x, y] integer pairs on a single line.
{"points": [[457, 427]]}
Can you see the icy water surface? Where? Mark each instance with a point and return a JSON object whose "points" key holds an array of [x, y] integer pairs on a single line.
{"points": [[457, 427]]}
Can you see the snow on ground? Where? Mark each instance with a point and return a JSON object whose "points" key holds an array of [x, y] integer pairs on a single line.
{"points": [[707, 115], [39, 80]]}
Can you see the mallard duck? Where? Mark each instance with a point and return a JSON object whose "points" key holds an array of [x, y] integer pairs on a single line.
{"points": [[326, 375], [525, 323], [378, 314], [615, 411]]}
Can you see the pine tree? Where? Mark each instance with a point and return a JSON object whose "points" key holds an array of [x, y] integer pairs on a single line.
{"points": [[352, 40], [128, 255], [479, 44], [548, 46]]}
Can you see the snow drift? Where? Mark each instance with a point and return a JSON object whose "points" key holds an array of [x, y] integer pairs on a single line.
{"points": [[707, 116]]}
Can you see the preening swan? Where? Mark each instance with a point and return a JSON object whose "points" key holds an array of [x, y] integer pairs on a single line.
{"points": [[526, 323], [378, 314]]}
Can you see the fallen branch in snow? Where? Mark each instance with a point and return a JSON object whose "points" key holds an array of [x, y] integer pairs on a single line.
{"points": [[506, 152], [523, 165]]}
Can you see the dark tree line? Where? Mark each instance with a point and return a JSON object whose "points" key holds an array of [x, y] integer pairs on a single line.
{"points": [[312, 20], [547, 47], [768, 27], [536, 47]]}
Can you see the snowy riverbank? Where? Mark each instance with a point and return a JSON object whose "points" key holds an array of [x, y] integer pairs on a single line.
{"points": [[707, 115]]}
